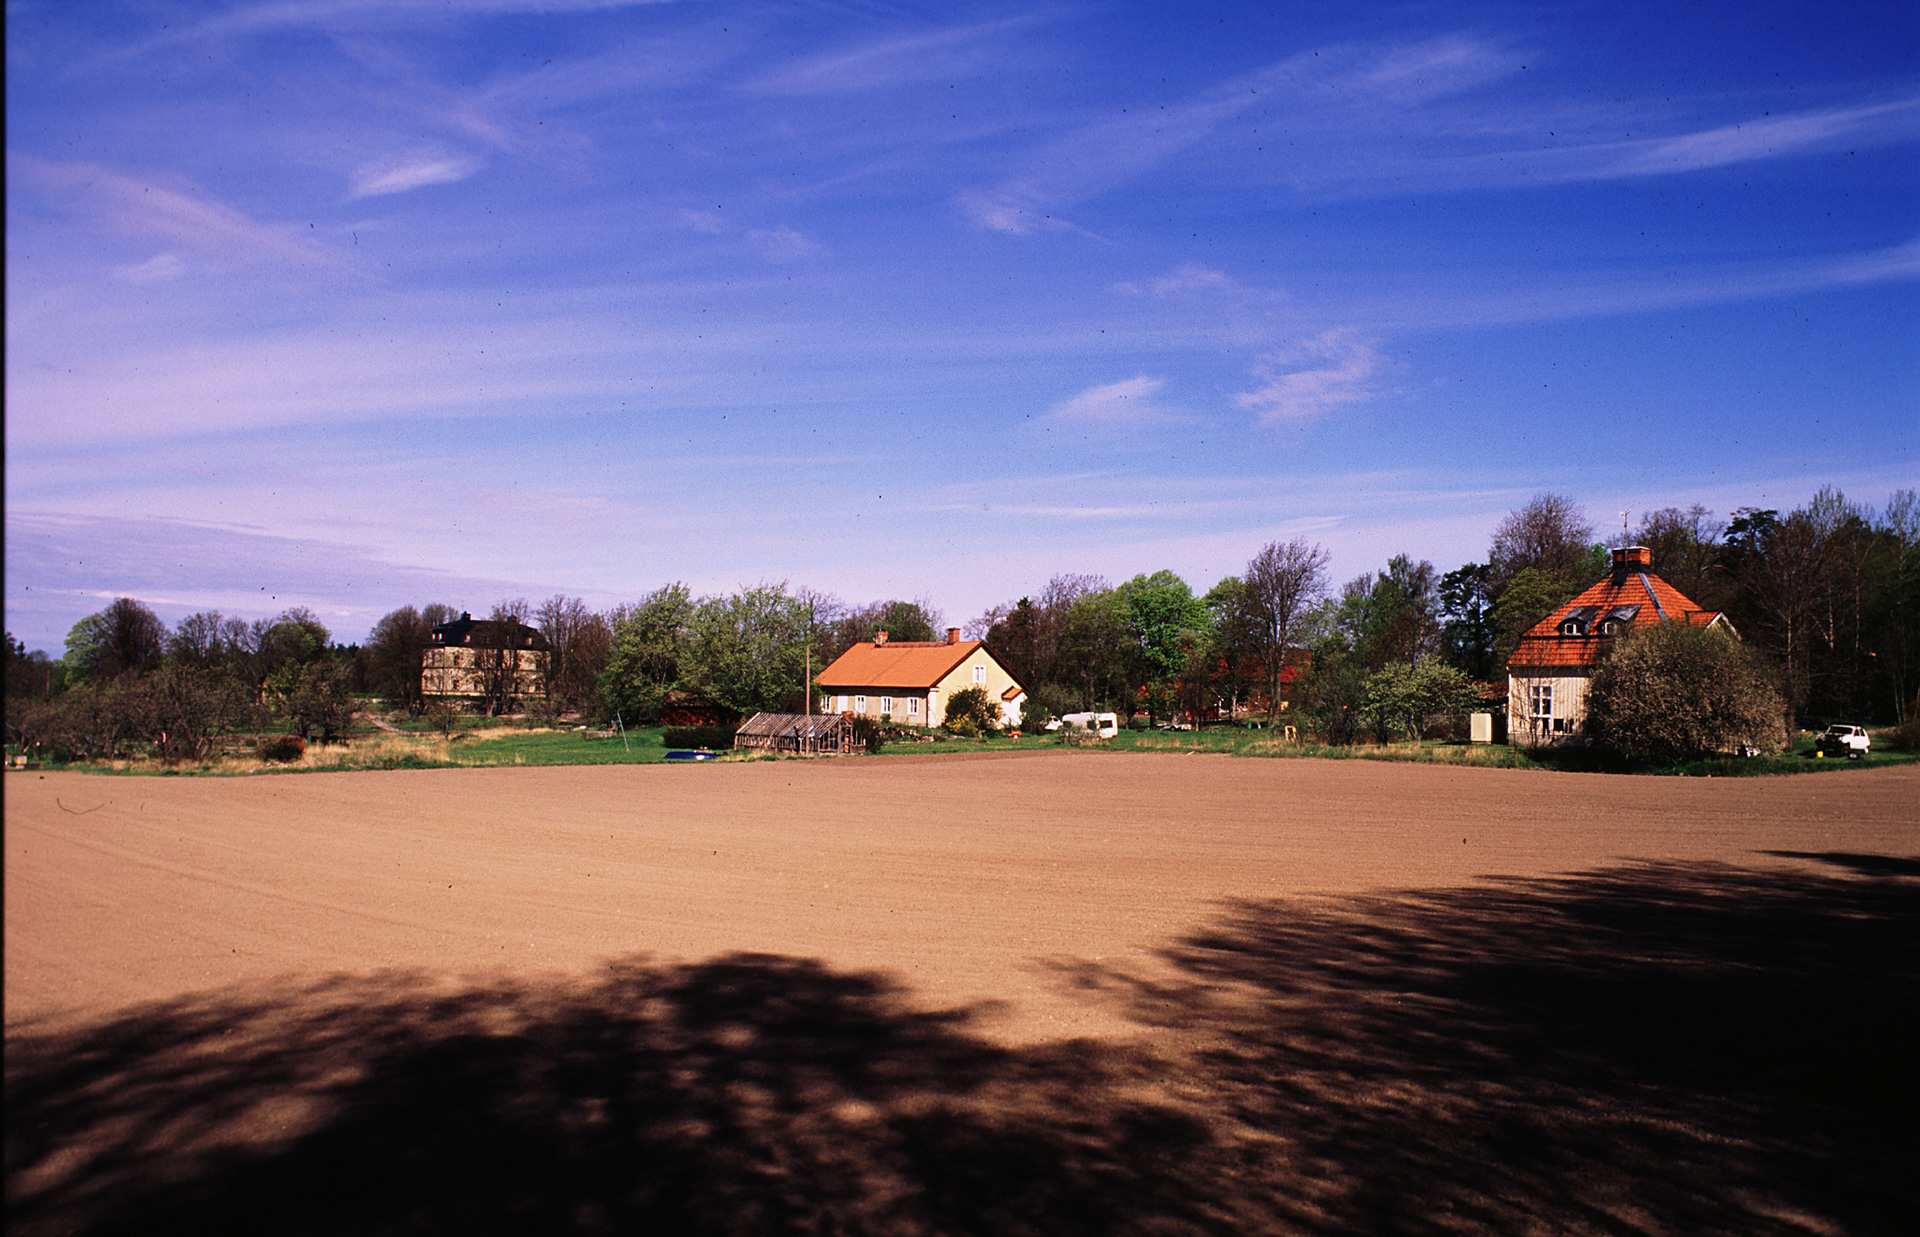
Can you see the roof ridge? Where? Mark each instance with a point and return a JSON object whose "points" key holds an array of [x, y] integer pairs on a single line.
{"points": [[1648, 585]]}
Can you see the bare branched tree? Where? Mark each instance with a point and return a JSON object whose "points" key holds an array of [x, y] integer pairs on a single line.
{"points": [[396, 646], [580, 640], [1283, 581], [1550, 534]]}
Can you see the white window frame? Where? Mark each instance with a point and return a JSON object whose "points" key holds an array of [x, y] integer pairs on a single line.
{"points": [[860, 705], [886, 706], [979, 675], [1540, 700], [913, 706]]}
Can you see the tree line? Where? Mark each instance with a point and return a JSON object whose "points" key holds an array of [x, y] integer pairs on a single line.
{"points": [[1826, 598]]}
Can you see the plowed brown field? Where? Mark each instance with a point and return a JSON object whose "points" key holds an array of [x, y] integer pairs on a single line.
{"points": [[1040, 993], [970, 880]]}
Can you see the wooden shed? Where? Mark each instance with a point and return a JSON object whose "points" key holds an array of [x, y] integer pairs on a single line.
{"points": [[805, 734]]}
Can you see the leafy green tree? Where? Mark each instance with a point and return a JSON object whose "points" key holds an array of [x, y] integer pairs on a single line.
{"points": [[1231, 659], [649, 656], [30, 676], [1542, 555], [124, 638], [183, 709], [1332, 694], [1671, 692], [1392, 616], [1467, 628], [1035, 639], [1093, 653], [1018, 634], [901, 620], [748, 651], [1530, 596], [1399, 697], [314, 697], [1045, 703], [1164, 621]]}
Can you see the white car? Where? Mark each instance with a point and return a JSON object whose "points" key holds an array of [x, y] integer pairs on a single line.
{"points": [[1849, 741]]}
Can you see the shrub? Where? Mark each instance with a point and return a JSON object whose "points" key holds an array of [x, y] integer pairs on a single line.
{"points": [[970, 713], [1670, 693], [1400, 697], [440, 713], [283, 748], [713, 738], [1906, 736], [867, 731]]}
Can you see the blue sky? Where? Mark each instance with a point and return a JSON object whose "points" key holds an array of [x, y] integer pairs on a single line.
{"points": [[355, 304]]}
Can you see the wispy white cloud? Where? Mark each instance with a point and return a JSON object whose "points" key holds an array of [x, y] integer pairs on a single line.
{"points": [[1320, 88], [1573, 145], [1335, 370], [160, 268], [1764, 137], [332, 14], [174, 215], [1114, 405], [1554, 296], [411, 172], [1436, 115], [1191, 277], [894, 59], [783, 244]]}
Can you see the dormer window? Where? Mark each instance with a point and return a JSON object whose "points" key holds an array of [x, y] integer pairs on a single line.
{"points": [[1616, 621], [1573, 627]]}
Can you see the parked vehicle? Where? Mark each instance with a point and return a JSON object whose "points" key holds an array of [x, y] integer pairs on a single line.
{"points": [[1106, 725], [1837, 740]]}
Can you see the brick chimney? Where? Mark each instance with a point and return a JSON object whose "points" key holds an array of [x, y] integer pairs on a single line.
{"points": [[953, 635], [1633, 558], [879, 638]]}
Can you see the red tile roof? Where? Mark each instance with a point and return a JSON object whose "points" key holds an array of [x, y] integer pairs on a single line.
{"points": [[911, 665], [1630, 596]]}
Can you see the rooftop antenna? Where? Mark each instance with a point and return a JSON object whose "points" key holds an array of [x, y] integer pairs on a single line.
{"points": [[1624, 535]]}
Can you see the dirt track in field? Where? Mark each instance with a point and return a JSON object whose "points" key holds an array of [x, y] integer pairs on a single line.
{"points": [[978, 881], [1039, 993]]}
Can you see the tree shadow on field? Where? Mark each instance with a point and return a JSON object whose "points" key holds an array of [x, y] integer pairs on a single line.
{"points": [[1686, 1048], [1678, 1048]]}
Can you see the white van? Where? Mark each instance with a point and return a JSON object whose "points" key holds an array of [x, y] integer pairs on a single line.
{"points": [[1105, 725]]}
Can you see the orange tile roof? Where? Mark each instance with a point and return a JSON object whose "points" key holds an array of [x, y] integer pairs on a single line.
{"points": [[907, 664], [1630, 594]]}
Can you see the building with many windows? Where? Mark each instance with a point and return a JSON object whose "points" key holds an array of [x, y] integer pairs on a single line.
{"points": [[910, 681], [497, 663], [1548, 673]]}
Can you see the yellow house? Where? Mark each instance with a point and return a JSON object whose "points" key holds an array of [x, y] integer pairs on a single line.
{"points": [[500, 662], [910, 681]]}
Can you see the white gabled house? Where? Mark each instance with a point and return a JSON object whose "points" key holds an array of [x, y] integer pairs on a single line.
{"points": [[1547, 675]]}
